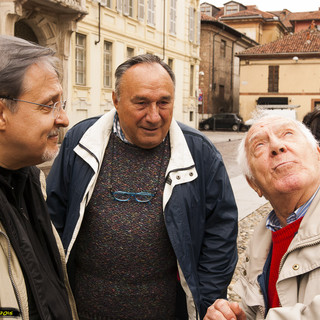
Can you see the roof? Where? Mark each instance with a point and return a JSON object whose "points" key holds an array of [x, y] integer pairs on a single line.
{"points": [[251, 10], [208, 19], [302, 16], [306, 42]]}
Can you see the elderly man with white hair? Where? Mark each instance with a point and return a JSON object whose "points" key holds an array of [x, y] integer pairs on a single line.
{"points": [[280, 278]]}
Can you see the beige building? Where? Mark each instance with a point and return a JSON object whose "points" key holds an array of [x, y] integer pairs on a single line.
{"points": [[93, 37], [49, 23], [116, 30], [283, 74]]}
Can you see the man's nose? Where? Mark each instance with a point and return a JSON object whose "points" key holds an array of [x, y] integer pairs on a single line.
{"points": [[153, 113], [277, 146], [62, 120]]}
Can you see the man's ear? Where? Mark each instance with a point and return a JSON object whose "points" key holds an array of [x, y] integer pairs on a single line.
{"points": [[253, 185], [115, 100], [3, 115], [318, 151]]}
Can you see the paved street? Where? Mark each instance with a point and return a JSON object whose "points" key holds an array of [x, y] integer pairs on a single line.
{"points": [[227, 143]]}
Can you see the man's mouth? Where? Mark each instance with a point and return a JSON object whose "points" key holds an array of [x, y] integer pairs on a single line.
{"points": [[283, 164], [54, 133]]}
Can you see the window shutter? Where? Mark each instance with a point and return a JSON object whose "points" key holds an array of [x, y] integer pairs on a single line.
{"points": [[126, 7], [141, 10], [119, 5], [191, 24], [173, 16]]}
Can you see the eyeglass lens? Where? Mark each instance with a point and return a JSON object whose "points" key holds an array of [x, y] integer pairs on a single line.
{"points": [[57, 107]]}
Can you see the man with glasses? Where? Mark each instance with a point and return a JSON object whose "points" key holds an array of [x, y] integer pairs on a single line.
{"points": [[144, 206], [33, 278]]}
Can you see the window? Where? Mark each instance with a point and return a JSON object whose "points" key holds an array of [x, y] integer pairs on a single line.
{"points": [[80, 59], [107, 64], [106, 3], [173, 16], [199, 28], [119, 5], [191, 80], [141, 10], [223, 45], [231, 8], [130, 52], [128, 8], [191, 116], [170, 63], [191, 24], [273, 80], [151, 10]]}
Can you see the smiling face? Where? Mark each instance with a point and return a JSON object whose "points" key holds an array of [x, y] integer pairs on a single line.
{"points": [[29, 136], [281, 159], [145, 105]]}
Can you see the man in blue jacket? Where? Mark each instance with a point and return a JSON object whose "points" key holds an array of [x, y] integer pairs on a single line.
{"points": [[144, 206]]}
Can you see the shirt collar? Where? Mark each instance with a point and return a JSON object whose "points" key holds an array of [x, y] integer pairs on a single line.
{"points": [[117, 129], [273, 222]]}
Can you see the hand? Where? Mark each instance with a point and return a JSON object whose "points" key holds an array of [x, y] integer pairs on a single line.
{"points": [[225, 310]]}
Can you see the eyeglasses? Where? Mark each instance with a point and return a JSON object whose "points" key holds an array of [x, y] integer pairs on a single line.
{"points": [[56, 107], [125, 196]]}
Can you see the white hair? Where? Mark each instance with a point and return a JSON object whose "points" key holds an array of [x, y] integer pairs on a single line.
{"points": [[242, 151]]}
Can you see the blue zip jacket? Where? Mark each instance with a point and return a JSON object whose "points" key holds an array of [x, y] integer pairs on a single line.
{"points": [[198, 204]]}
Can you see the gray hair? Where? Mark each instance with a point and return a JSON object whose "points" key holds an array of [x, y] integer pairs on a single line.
{"points": [[242, 152], [16, 56], [143, 58]]}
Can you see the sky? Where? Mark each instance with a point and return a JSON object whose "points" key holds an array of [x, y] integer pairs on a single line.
{"points": [[274, 5]]}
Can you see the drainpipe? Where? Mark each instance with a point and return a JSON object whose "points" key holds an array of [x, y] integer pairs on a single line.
{"points": [[232, 75], [213, 58], [96, 42], [164, 29]]}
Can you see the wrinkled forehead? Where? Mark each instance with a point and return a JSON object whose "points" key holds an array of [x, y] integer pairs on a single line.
{"points": [[269, 125]]}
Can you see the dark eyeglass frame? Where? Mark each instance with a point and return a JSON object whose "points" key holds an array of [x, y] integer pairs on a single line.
{"points": [[53, 107], [117, 195]]}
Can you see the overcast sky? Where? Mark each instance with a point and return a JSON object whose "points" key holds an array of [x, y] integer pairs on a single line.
{"points": [[275, 5]]}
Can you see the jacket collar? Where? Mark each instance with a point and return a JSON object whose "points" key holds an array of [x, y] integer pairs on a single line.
{"points": [[93, 143]]}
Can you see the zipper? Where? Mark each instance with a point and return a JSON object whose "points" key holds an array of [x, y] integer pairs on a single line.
{"points": [[11, 276]]}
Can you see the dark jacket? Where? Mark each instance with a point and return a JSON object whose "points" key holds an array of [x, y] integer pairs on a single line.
{"points": [[199, 206], [15, 250]]}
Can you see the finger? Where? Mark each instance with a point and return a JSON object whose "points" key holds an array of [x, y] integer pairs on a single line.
{"points": [[214, 314], [238, 311], [221, 310]]}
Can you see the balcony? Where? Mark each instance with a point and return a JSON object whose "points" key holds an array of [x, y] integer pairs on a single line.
{"points": [[72, 7]]}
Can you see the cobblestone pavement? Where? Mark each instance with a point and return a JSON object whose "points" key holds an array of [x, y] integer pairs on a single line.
{"points": [[246, 228]]}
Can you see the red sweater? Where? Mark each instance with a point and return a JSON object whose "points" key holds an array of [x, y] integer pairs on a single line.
{"points": [[281, 240]]}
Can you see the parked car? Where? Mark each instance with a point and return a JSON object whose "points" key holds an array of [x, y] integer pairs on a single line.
{"points": [[224, 121]]}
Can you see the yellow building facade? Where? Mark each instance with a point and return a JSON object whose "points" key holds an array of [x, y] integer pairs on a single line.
{"points": [[299, 82], [282, 74], [116, 30]]}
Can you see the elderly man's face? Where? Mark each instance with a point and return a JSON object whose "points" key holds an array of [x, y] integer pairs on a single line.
{"points": [[281, 159], [145, 106]]}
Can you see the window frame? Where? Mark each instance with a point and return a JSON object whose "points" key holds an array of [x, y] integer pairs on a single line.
{"points": [[273, 78], [80, 71], [107, 64]]}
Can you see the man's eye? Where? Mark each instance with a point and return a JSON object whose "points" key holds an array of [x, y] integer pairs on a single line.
{"points": [[163, 103], [46, 107]]}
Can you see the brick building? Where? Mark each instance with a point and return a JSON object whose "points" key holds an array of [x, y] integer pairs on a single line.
{"points": [[219, 68]]}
